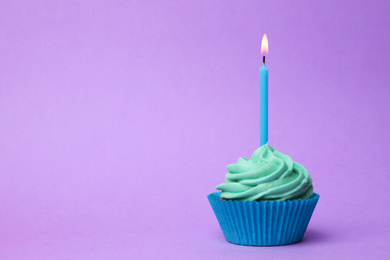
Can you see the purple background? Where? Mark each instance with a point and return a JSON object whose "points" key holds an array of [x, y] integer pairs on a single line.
{"points": [[118, 118]]}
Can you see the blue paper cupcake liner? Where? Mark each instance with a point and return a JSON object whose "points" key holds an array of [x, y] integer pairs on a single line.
{"points": [[263, 223]]}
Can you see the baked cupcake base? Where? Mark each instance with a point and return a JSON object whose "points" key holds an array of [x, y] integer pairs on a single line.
{"points": [[263, 223]]}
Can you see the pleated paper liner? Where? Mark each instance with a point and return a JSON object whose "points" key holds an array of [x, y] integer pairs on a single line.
{"points": [[263, 223]]}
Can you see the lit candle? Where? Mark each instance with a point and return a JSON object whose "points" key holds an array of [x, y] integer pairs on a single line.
{"points": [[264, 94]]}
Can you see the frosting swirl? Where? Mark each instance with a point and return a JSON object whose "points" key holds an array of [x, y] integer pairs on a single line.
{"points": [[267, 175]]}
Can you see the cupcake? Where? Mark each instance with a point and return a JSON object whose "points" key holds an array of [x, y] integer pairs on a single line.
{"points": [[266, 200]]}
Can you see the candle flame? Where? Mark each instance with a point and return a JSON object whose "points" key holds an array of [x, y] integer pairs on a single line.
{"points": [[264, 45]]}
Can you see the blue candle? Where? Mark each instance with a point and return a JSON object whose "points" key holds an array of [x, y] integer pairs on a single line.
{"points": [[263, 105], [264, 95]]}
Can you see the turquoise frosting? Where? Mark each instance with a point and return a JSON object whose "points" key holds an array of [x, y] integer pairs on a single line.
{"points": [[267, 175]]}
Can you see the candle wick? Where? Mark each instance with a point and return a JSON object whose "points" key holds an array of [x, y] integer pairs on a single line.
{"points": [[264, 60]]}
